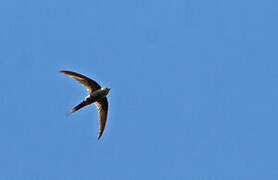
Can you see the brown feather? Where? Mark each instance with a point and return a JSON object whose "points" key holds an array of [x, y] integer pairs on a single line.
{"points": [[102, 106], [90, 84]]}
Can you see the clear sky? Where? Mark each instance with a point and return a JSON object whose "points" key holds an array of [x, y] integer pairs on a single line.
{"points": [[193, 89]]}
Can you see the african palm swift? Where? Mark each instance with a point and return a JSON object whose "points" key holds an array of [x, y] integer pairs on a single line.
{"points": [[97, 95]]}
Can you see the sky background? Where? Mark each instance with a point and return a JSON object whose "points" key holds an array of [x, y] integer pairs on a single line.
{"points": [[193, 89]]}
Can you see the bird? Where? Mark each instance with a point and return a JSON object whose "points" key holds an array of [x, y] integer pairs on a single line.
{"points": [[97, 95]]}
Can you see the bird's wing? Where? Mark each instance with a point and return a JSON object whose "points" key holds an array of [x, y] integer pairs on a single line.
{"points": [[90, 84], [102, 106]]}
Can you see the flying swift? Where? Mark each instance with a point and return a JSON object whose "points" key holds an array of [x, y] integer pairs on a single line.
{"points": [[97, 95]]}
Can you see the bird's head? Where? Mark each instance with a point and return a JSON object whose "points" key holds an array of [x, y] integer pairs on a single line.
{"points": [[106, 90]]}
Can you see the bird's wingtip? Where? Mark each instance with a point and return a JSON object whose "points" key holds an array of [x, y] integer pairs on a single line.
{"points": [[99, 136], [68, 113]]}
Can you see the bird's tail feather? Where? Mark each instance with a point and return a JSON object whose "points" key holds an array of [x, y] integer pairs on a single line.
{"points": [[79, 106]]}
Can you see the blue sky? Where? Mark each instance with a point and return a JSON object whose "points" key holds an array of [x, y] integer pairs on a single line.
{"points": [[193, 89]]}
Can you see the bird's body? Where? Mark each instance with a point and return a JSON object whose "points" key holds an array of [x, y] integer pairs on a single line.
{"points": [[97, 95]]}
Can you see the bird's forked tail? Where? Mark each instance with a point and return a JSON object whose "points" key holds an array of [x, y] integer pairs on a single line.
{"points": [[79, 106]]}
